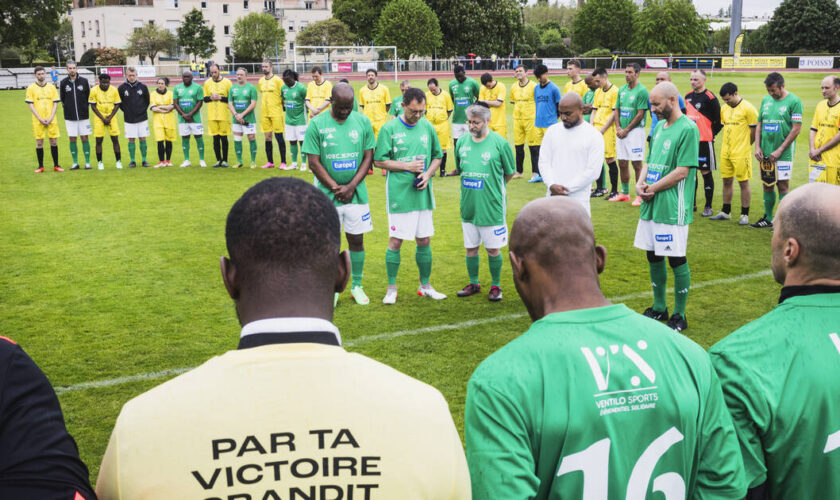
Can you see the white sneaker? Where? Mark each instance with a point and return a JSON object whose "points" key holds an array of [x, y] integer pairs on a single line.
{"points": [[186, 164], [100, 166], [303, 167], [428, 291], [119, 165], [294, 166], [202, 163], [721, 216], [87, 166], [390, 296], [744, 220]]}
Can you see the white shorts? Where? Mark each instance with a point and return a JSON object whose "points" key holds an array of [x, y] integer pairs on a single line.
{"points": [[492, 236], [666, 240], [459, 130], [248, 128], [411, 225], [355, 218], [77, 128], [185, 129], [632, 147], [784, 169], [136, 130], [295, 132]]}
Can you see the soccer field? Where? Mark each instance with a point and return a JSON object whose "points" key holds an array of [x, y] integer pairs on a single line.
{"points": [[110, 279]]}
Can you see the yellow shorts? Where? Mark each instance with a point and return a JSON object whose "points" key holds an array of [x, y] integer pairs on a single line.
{"points": [[524, 130], [829, 175], [41, 131], [740, 168], [219, 127], [99, 127], [539, 133], [376, 126], [165, 134], [500, 129], [444, 136], [276, 124], [609, 143]]}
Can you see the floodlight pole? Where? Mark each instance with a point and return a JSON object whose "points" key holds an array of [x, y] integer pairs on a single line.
{"points": [[735, 24]]}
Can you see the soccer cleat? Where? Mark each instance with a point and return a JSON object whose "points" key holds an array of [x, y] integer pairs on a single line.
{"points": [[87, 166], [119, 165], [202, 163], [383, 172], [610, 196], [428, 291], [283, 166], [224, 164], [132, 164], [599, 192], [620, 197], [168, 163], [743, 220], [303, 167], [218, 164], [253, 165], [75, 166], [390, 296], [39, 170], [495, 294], [160, 164], [707, 212], [58, 169], [761, 223], [293, 167], [721, 216], [144, 164], [535, 179], [654, 314], [454, 173], [516, 175], [268, 165], [470, 289], [677, 322], [100, 166], [637, 201], [186, 164], [238, 165], [359, 295], [370, 171]]}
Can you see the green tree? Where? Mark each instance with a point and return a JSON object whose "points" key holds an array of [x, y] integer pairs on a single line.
{"points": [[556, 26], [88, 58], [327, 32], [195, 37], [33, 51], [604, 23], [551, 36], [665, 26], [528, 41], [149, 41], [553, 45], [804, 26], [479, 26], [64, 40], [422, 39], [110, 56], [719, 41], [26, 21], [542, 13], [756, 42], [255, 36], [358, 15]]}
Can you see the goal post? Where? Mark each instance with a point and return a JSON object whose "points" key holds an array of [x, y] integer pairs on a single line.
{"points": [[338, 59]]}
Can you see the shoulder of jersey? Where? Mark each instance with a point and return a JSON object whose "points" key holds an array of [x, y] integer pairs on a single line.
{"points": [[710, 95]]}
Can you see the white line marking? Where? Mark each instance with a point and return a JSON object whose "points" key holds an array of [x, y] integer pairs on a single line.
{"points": [[98, 384]]}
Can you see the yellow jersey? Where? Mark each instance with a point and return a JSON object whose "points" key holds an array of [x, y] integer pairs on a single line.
{"points": [[438, 107], [498, 116], [42, 97], [604, 103], [737, 123], [316, 94], [826, 123], [217, 110], [522, 97], [104, 99], [271, 96], [579, 88], [374, 101], [165, 120]]}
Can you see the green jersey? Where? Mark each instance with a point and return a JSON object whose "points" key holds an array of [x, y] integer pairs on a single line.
{"points": [[672, 147], [401, 142], [629, 102], [588, 98], [293, 102], [600, 403], [341, 147], [241, 97], [777, 119], [483, 167], [396, 106], [463, 96], [188, 98], [781, 380]]}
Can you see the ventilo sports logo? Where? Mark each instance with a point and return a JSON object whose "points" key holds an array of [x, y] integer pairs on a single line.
{"points": [[624, 380]]}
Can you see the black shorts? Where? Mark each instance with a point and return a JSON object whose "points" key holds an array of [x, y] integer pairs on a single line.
{"points": [[706, 156]]}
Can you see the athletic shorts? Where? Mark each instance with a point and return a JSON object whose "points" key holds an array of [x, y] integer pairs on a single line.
{"points": [[411, 225], [459, 130], [295, 132], [492, 236], [165, 133], [100, 129], [740, 168], [376, 126], [609, 143], [524, 130], [42, 132], [665, 240], [76, 128], [632, 147], [185, 129], [248, 128], [784, 169], [218, 127], [539, 133], [706, 156], [355, 218], [276, 124], [500, 129], [442, 130], [137, 130]]}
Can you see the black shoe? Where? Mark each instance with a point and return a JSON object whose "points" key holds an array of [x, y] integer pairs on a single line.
{"points": [[217, 164], [470, 289], [677, 322], [88, 167], [132, 165], [442, 173], [599, 192], [495, 294], [762, 222], [610, 196], [75, 166], [654, 314], [144, 164], [224, 164]]}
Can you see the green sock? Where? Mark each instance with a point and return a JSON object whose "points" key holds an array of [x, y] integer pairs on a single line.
{"points": [[392, 265], [472, 269], [625, 188], [199, 142], [143, 150], [237, 146], [495, 270], [782, 196], [423, 257], [74, 152], [86, 149], [253, 148], [294, 147], [131, 148], [769, 204], [659, 280], [682, 282], [357, 265], [185, 146]]}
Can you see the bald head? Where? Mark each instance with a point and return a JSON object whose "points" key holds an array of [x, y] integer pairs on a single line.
{"points": [[342, 101], [665, 90], [571, 109], [829, 87], [571, 99], [663, 76], [342, 91], [664, 102]]}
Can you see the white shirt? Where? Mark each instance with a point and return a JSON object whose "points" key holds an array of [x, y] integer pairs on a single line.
{"points": [[573, 158]]}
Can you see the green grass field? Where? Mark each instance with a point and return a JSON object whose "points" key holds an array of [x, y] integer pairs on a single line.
{"points": [[115, 273]]}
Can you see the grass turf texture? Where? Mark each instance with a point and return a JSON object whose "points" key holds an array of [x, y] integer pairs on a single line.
{"points": [[115, 273]]}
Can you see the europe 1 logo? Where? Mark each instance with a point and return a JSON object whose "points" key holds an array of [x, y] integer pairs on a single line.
{"points": [[640, 394]]}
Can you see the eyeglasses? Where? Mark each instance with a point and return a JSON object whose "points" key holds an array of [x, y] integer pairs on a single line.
{"points": [[413, 112]]}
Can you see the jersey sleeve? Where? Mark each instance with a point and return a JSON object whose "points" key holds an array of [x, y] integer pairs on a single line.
{"points": [[449, 105], [506, 155], [118, 100], [796, 111], [54, 94], [751, 115], [689, 148], [387, 99], [502, 92], [437, 151], [555, 91], [361, 98], [30, 94], [481, 93], [312, 140], [383, 146], [370, 137], [815, 121], [613, 98], [682, 103], [643, 101]]}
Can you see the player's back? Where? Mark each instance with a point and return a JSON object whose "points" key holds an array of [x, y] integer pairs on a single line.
{"points": [[604, 403]]}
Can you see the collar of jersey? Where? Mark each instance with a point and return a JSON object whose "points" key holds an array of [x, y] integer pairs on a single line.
{"points": [[290, 325], [799, 291]]}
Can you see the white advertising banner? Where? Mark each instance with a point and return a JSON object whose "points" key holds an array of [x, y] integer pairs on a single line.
{"points": [[145, 71], [553, 63], [657, 63], [816, 62]]}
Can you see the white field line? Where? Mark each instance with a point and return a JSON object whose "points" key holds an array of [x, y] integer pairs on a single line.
{"points": [[391, 335]]}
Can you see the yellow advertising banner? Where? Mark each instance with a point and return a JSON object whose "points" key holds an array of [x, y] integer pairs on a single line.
{"points": [[738, 42], [753, 62]]}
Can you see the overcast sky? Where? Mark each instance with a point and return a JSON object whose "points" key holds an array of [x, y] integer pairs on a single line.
{"points": [[751, 7]]}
